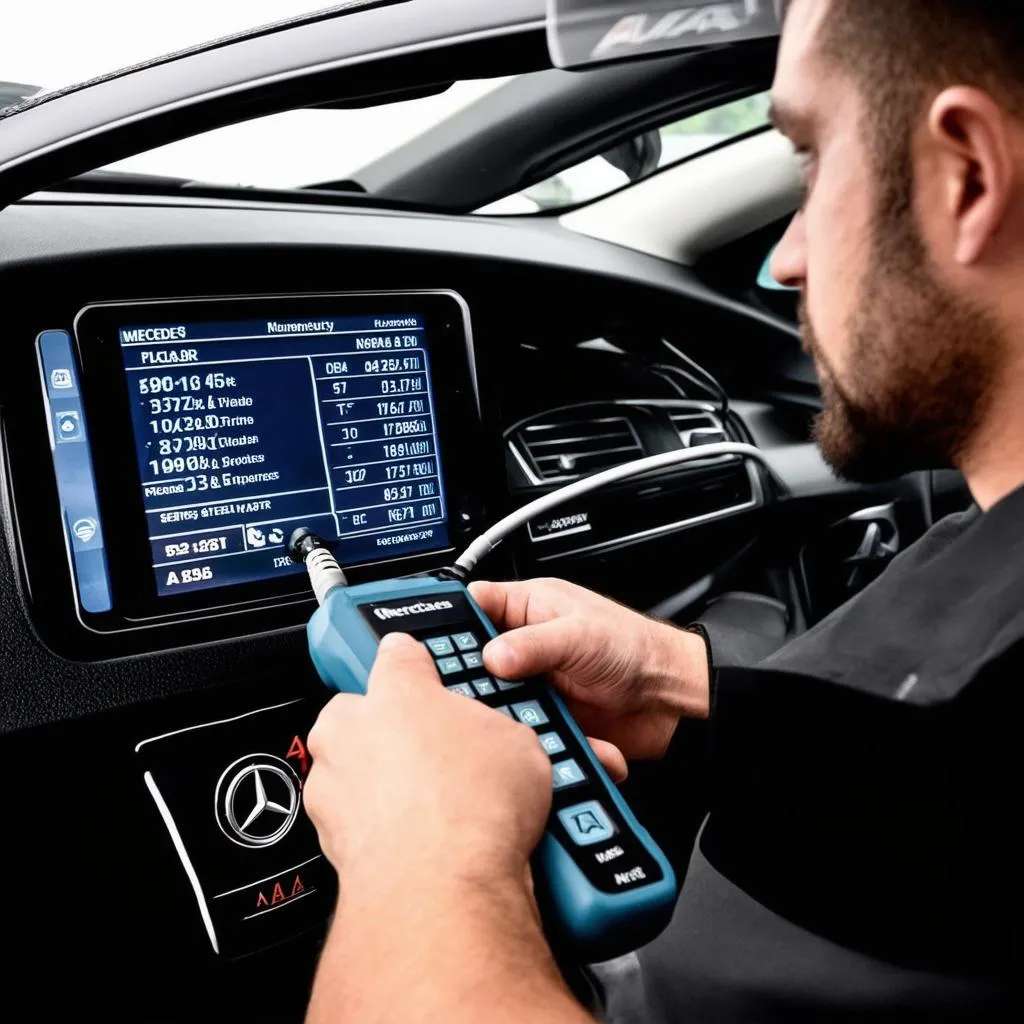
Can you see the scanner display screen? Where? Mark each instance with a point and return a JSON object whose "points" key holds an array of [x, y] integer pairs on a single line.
{"points": [[246, 430]]}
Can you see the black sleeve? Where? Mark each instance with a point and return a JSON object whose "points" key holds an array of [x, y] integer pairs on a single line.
{"points": [[744, 629], [886, 826], [670, 796]]}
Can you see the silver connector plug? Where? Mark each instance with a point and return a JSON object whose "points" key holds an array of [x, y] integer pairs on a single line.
{"points": [[306, 548]]}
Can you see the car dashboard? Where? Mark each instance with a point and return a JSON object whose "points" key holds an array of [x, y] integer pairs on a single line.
{"points": [[185, 383]]}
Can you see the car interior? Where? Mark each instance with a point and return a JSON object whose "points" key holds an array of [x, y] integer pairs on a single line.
{"points": [[573, 267]]}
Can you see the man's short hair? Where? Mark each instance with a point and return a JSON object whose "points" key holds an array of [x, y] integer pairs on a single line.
{"points": [[901, 52], [913, 46]]}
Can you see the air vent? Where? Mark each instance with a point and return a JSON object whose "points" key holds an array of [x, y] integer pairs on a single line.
{"points": [[699, 428], [569, 449]]}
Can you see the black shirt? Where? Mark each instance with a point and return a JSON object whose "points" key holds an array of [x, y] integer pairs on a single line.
{"points": [[862, 853]]}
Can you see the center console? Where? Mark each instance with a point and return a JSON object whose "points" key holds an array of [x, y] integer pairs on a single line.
{"points": [[229, 793]]}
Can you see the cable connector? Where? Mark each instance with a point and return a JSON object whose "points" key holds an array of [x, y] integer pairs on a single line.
{"points": [[306, 548]]}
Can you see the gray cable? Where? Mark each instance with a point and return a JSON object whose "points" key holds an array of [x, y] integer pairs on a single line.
{"points": [[487, 542]]}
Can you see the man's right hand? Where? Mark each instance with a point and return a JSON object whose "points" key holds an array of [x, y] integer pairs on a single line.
{"points": [[627, 679]]}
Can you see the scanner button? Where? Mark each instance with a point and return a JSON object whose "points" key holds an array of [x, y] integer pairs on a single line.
{"points": [[484, 687], [567, 773], [449, 666], [473, 660], [530, 713], [504, 684], [465, 641], [440, 646], [552, 743], [462, 689], [587, 824]]}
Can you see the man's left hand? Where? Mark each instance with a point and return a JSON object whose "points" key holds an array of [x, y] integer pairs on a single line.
{"points": [[429, 806], [411, 777]]}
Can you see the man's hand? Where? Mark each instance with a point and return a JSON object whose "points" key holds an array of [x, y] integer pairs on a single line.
{"points": [[412, 776], [429, 806], [627, 679]]}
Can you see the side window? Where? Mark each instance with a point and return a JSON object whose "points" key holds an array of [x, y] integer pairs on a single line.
{"points": [[640, 157]]}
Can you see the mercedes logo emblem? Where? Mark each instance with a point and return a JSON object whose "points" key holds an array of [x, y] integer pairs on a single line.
{"points": [[257, 800]]}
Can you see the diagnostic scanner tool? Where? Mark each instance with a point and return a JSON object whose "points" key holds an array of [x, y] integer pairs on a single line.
{"points": [[598, 872], [602, 882]]}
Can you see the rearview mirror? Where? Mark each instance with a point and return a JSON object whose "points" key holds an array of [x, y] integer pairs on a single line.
{"points": [[637, 157]]}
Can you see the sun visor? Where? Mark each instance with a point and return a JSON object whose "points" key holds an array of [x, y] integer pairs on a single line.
{"points": [[586, 32]]}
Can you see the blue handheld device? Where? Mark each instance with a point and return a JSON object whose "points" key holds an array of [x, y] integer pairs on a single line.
{"points": [[604, 884]]}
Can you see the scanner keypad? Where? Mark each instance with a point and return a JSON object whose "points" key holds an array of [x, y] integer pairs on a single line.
{"points": [[584, 819]]}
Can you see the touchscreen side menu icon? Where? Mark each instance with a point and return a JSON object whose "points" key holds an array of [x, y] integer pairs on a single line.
{"points": [[85, 529], [69, 426]]}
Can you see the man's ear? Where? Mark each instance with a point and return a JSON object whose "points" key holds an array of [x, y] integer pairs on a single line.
{"points": [[972, 136]]}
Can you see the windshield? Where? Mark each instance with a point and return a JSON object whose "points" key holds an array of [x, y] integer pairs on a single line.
{"points": [[291, 150], [337, 148], [302, 148]]}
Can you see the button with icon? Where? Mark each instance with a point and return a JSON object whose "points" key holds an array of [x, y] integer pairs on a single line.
{"points": [[552, 743], [587, 824], [530, 713], [85, 529], [439, 646], [69, 426], [466, 641], [567, 773]]}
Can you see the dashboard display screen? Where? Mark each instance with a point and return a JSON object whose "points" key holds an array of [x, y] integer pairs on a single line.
{"points": [[245, 430]]}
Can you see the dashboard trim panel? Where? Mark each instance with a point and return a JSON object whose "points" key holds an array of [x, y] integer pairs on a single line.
{"points": [[757, 499], [186, 861], [684, 524], [219, 721]]}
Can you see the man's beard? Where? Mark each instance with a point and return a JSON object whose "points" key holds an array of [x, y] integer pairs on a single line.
{"points": [[921, 373]]}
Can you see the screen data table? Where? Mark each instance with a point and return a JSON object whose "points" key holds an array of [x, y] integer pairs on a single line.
{"points": [[247, 430]]}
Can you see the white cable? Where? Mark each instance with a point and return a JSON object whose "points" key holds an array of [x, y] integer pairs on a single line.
{"points": [[487, 542]]}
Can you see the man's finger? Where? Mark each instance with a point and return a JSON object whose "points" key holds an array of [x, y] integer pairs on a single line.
{"points": [[507, 605], [402, 659], [532, 650], [611, 757], [511, 605], [492, 598]]}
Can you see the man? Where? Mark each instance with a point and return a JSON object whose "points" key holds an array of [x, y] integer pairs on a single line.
{"points": [[861, 854]]}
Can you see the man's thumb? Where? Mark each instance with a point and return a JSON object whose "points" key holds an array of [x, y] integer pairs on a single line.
{"points": [[533, 650]]}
